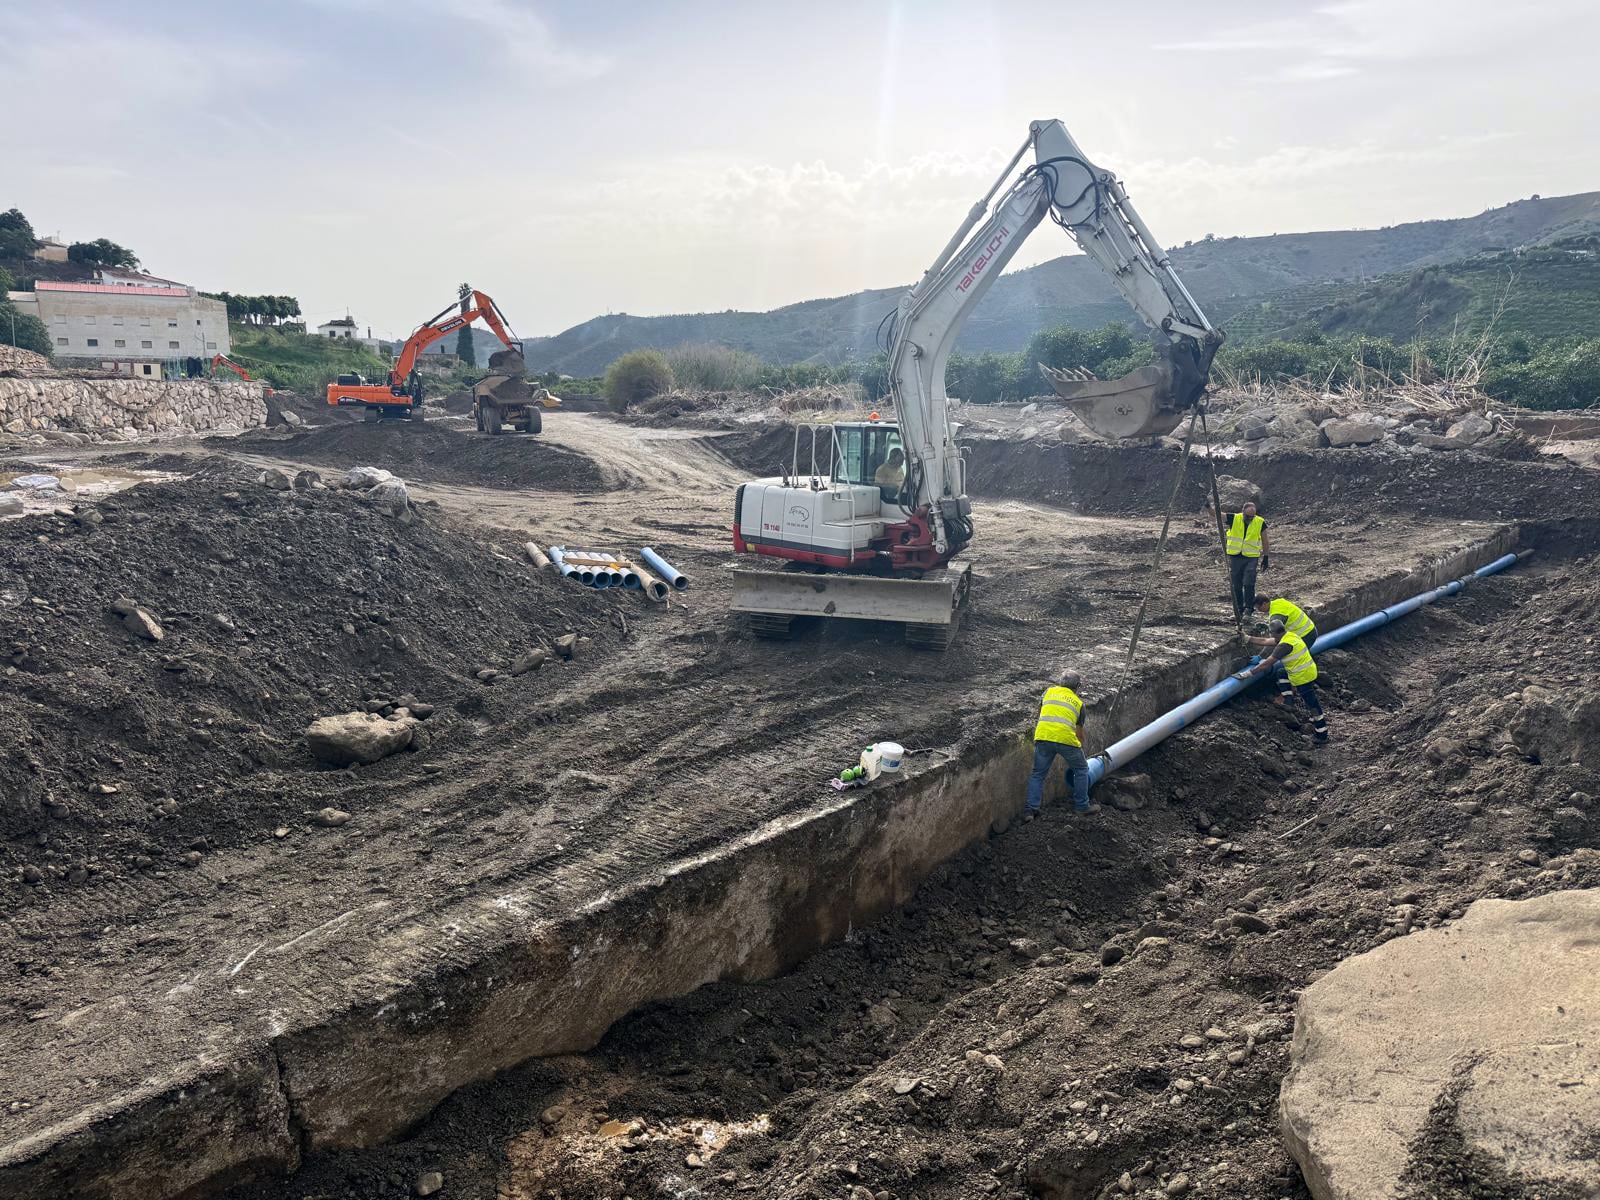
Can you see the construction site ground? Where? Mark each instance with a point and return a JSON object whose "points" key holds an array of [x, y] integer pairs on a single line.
{"points": [[171, 896]]}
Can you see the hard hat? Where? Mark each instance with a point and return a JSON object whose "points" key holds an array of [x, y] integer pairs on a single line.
{"points": [[874, 415]]}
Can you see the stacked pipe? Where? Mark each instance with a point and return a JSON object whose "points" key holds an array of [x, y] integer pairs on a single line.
{"points": [[606, 569]]}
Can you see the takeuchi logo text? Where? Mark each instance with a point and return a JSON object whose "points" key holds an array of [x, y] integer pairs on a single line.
{"points": [[983, 260]]}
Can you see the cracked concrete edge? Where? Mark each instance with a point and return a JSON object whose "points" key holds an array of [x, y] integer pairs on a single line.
{"points": [[743, 911]]}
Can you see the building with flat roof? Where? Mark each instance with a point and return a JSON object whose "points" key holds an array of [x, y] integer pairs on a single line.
{"points": [[125, 318]]}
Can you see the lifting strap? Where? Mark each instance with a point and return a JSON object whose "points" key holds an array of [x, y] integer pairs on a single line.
{"points": [[1198, 415]]}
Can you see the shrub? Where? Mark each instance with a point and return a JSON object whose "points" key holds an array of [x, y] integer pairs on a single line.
{"points": [[708, 367], [636, 376]]}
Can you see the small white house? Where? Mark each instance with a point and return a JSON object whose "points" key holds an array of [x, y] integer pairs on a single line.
{"points": [[343, 328]]}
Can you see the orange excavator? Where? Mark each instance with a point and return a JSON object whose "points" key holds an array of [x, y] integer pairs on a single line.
{"points": [[401, 394], [222, 360]]}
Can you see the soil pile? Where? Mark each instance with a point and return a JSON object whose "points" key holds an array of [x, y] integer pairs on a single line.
{"points": [[119, 752], [430, 453], [1087, 1007]]}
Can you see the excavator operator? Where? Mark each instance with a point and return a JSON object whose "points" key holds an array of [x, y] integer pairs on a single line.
{"points": [[891, 475]]}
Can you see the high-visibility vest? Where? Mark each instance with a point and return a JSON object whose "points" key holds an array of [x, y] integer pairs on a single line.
{"points": [[1293, 617], [1245, 541], [1058, 717], [1298, 663]]}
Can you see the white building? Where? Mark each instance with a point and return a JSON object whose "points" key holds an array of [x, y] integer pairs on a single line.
{"points": [[50, 250], [127, 321], [342, 328]]}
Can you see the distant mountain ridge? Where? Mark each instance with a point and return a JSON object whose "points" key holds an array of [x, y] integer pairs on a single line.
{"points": [[1225, 275]]}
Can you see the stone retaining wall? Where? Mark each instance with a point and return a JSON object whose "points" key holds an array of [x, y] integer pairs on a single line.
{"points": [[117, 409]]}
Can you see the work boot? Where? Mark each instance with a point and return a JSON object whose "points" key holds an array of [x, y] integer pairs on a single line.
{"points": [[1087, 810], [1029, 815]]}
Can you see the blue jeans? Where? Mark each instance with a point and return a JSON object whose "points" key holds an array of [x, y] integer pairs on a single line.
{"points": [[1044, 753]]}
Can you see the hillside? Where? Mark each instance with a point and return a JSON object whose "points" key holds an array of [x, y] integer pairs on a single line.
{"points": [[1546, 291], [1227, 274], [288, 358]]}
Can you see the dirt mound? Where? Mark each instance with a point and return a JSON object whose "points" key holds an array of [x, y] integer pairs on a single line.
{"points": [[120, 753], [431, 453]]}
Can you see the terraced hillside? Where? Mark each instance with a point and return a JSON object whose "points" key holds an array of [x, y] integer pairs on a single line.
{"points": [[1223, 273]]}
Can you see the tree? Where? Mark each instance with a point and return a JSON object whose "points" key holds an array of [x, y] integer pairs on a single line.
{"points": [[16, 235], [102, 252], [464, 349], [637, 375], [19, 329]]}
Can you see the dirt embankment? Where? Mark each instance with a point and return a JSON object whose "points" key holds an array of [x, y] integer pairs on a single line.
{"points": [[1085, 1008], [1135, 481], [120, 753], [430, 453]]}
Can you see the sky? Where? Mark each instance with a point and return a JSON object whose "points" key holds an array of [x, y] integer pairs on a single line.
{"points": [[575, 159]]}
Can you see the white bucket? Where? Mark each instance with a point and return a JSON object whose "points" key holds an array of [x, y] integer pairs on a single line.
{"points": [[890, 755]]}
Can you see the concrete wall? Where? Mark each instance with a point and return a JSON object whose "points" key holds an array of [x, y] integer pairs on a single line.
{"points": [[116, 409], [129, 323]]}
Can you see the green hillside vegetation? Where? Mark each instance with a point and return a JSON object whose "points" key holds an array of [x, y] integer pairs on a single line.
{"points": [[295, 360], [1549, 290], [1280, 277]]}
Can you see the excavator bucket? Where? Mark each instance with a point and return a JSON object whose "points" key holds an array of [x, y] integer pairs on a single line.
{"points": [[1140, 404], [507, 381], [1147, 402]]}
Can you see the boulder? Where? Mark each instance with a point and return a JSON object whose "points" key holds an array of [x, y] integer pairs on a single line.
{"points": [[1463, 1060], [362, 478], [567, 645], [11, 506], [357, 737], [390, 495], [1235, 493], [137, 621], [1470, 429], [275, 480], [1557, 728], [1351, 431]]}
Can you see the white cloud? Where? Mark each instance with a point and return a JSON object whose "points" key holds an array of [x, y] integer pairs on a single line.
{"points": [[522, 33]]}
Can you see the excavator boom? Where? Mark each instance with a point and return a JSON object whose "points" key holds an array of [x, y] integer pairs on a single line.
{"points": [[400, 394]]}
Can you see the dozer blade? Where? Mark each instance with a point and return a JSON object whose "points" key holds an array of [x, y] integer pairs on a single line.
{"points": [[1140, 404], [933, 601]]}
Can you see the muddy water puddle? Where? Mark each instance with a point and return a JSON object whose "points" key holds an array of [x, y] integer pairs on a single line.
{"points": [[47, 487]]}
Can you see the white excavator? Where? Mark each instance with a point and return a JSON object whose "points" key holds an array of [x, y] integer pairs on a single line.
{"points": [[869, 527]]}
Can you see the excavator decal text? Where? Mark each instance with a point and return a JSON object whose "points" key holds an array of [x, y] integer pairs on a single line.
{"points": [[982, 260]]}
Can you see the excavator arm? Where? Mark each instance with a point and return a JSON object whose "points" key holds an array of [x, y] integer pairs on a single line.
{"points": [[447, 322], [1091, 205]]}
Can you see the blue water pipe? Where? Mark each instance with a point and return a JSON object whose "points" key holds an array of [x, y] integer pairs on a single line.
{"points": [[1119, 754], [670, 574]]}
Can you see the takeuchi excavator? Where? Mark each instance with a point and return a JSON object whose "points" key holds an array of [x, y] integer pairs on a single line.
{"points": [[870, 514], [401, 394]]}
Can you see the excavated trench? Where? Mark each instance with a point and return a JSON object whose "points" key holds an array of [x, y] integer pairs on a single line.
{"points": [[537, 988]]}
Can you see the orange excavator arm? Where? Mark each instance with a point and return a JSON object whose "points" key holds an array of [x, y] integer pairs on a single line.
{"points": [[446, 322], [222, 360]]}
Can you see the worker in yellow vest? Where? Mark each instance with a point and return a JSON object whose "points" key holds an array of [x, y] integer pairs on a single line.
{"points": [[1294, 619], [1296, 669], [1056, 733], [1248, 550]]}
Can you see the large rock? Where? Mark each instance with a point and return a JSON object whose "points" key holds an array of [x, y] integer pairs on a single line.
{"points": [[11, 506], [1352, 431], [1235, 493], [1468, 1054], [357, 737], [1470, 429]]}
